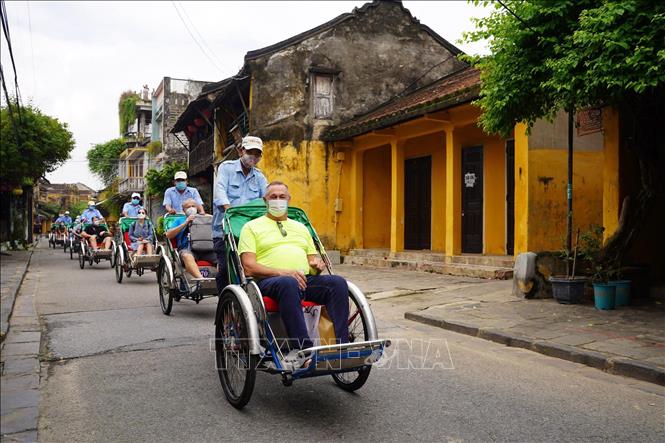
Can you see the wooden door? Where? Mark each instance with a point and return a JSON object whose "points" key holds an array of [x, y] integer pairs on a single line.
{"points": [[472, 199], [418, 203]]}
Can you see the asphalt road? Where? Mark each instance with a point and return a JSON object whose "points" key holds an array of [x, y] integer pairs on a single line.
{"points": [[116, 369]]}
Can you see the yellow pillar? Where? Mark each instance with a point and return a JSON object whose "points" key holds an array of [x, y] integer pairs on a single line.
{"points": [[453, 193], [397, 196], [357, 199], [521, 189], [611, 203]]}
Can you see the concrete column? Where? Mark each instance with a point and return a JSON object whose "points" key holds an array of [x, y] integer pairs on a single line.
{"points": [[521, 189], [397, 196], [611, 196], [357, 191], [453, 193]]}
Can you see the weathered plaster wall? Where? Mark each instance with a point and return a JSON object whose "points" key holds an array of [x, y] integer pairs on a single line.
{"points": [[378, 54], [177, 95]]}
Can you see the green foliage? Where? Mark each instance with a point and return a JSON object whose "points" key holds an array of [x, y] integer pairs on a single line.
{"points": [[50, 209], [591, 245], [39, 145], [77, 209], [567, 53], [127, 109], [159, 226], [103, 159], [154, 147], [159, 181]]}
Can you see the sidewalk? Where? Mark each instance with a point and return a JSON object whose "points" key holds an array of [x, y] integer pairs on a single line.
{"points": [[13, 266], [629, 341], [19, 396]]}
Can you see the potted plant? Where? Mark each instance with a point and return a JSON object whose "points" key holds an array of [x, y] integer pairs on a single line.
{"points": [[622, 288], [604, 292], [569, 288]]}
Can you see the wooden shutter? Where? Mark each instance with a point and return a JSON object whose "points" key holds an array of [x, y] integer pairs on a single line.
{"points": [[323, 96]]}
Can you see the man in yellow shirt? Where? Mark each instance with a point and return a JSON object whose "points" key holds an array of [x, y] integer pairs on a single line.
{"points": [[280, 254]]}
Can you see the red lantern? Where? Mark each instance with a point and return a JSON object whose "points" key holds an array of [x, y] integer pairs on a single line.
{"points": [[192, 129], [199, 122]]}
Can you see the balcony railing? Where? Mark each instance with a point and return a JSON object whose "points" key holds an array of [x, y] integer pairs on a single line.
{"points": [[201, 156], [131, 184]]}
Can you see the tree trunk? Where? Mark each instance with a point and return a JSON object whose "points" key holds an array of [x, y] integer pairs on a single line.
{"points": [[642, 123]]}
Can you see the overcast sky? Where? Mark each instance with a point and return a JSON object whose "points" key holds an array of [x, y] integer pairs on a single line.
{"points": [[74, 59]]}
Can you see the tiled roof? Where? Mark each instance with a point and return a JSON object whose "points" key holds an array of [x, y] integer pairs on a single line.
{"points": [[456, 88]]}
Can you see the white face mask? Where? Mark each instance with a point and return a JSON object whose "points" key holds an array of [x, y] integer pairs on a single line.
{"points": [[141, 215], [277, 208], [96, 223], [190, 211]]}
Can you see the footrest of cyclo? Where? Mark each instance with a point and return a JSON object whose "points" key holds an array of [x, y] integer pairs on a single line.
{"points": [[102, 253], [338, 357], [147, 261]]}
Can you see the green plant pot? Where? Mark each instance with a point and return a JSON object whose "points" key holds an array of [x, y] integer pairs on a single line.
{"points": [[604, 295], [622, 292]]}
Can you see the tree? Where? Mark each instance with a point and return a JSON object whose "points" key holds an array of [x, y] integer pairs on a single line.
{"points": [[159, 181], [127, 109], [33, 144], [103, 159], [547, 55]]}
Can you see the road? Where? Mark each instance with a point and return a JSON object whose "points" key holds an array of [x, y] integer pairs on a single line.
{"points": [[116, 369]]}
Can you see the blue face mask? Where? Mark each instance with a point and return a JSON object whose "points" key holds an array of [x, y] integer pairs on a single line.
{"points": [[91, 207], [135, 201], [181, 186]]}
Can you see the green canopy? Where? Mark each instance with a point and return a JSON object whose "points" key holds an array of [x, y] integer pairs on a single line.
{"points": [[171, 221], [237, 216], [127, 222]]}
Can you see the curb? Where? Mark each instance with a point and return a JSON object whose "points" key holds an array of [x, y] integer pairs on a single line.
{"points": [[614, 365], [14, 293]]}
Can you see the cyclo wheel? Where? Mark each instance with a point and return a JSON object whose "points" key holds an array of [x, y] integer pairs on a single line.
{"points": [[81, 257], [118, 267], [351, 381], [165, 291], [236, 367], [71, 251]]}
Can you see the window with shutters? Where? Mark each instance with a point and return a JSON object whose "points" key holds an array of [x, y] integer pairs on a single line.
{"points": [[323, 95]]}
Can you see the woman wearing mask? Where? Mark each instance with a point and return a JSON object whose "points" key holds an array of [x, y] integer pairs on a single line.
{"points": [[179, 233], [141, 233]]}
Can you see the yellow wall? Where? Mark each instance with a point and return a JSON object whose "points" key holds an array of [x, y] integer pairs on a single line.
{"points": [[611, 196], [376, 198], [521, 189], [312, 175], [548, 204]]}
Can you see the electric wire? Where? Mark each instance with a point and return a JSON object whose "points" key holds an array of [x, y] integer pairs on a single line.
{"points": [[5, 29], [194, 38], [203, 40]]}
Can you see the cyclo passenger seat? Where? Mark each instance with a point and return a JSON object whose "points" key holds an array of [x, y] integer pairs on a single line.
{"points": [[200, 241]]}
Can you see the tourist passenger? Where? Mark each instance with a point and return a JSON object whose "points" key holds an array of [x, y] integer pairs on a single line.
{"points": [[96, 232], [141, 234]]}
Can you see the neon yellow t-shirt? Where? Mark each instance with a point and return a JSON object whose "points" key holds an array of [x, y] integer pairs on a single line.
{"points": [[263, 237]]}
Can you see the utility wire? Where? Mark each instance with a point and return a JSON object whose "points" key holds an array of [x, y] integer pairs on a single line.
{"points": [[203, 40], [9, 105], [194, 38], [516, 16], [32, 50], [5, 29]]}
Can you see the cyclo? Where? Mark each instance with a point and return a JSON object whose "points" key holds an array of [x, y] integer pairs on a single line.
{"points": [[174, 281], [58, 235], [248, 327], [125, 260], [86, 253], [73, 242]]}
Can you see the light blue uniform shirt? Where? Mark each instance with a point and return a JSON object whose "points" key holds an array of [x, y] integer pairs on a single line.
{"points": [[174, 198], [64, 219], [89, 213], [234, 188], [131, 210]]}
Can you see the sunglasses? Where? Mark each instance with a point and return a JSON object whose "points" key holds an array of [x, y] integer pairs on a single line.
{"points": [[281, 228]]}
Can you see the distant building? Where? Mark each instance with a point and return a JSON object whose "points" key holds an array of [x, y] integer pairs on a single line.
{"points": [[134, 161], [169, 100], [64, 194]]}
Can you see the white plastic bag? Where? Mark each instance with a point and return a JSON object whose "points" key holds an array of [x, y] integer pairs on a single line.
{"points": [[312, 315]]}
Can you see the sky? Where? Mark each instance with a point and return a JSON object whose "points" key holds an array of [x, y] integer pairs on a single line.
{"points": [[74, 59]]}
